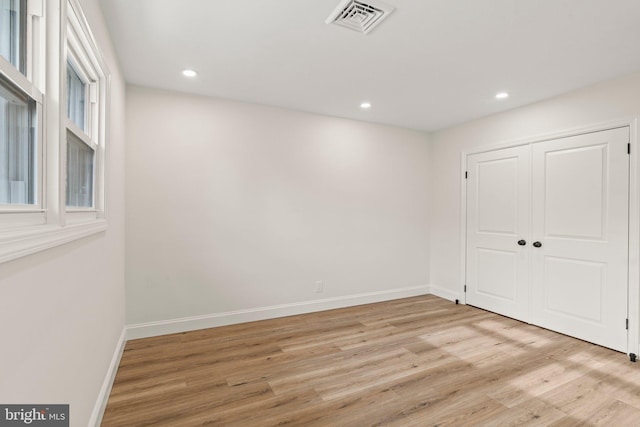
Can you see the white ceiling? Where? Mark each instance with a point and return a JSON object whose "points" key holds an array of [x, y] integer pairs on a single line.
{"points": [[430, 65]]}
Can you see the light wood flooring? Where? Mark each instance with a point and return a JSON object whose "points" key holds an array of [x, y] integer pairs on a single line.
{"points": [[420, 361]]}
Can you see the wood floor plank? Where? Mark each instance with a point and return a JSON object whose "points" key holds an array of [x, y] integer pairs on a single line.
{"points": [[533, 412], [411, 362]]}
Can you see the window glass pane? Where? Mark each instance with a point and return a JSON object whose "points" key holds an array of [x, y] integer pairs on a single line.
{"points": [[79, 172], [76, 94], [12, 32], [18, 156]]}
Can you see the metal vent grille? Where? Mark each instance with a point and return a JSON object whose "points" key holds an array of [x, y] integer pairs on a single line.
{"points": [[358, 15]]}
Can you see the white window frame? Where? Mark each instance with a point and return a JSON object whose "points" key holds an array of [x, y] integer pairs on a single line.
{"points": [[14, 214], [31, 85], [31, 228], [81, 50]]}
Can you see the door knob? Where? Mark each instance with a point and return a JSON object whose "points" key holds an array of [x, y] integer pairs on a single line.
{"points": [[522, 242], [537, 244]]}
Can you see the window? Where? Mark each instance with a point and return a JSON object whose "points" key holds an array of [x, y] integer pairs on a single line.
{"points": [[80, 159], [21, 162], [19, 165], [85, 93], [80, 145], [51, 165], [13, 25], [76, 96]]}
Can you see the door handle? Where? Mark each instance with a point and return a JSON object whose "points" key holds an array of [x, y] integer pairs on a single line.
{"points": [[537, 244], [522, 242]]}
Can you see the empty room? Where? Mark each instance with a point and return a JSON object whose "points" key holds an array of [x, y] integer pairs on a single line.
{"points": [[319, 212]]}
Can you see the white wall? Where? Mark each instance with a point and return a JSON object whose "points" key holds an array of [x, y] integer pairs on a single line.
{"points": [[62, 310], [611, 100], [234, 206]]}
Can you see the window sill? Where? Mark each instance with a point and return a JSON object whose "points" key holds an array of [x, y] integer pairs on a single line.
{"points": [[28, 240]]}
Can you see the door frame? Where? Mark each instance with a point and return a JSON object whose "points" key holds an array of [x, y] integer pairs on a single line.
{"points": [[633, 273]]}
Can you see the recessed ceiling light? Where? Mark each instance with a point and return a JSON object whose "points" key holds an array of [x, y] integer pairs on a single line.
{"points": [[502, 95], [189, 73], [365, 105]]}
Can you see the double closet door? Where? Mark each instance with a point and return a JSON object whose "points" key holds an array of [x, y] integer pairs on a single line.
{"points": [[547, 234]]}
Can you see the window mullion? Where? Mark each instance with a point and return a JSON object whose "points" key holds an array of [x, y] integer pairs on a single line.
{"points": [[54, 127]]}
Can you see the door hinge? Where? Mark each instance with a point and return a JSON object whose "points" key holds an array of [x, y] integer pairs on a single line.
{"points": [[466, 174], [628, 148], [465, 288], [626, 324]]}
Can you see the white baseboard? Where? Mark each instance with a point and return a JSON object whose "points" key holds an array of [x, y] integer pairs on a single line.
{"points": [[444, 293], [172, 326], [105, 390]]}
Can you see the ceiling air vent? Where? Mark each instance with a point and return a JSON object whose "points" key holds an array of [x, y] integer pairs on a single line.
{"points": [[359, 15]]}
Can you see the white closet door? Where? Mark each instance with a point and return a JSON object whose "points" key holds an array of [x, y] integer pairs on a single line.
{"points": [[497, 219], [580, 218]]}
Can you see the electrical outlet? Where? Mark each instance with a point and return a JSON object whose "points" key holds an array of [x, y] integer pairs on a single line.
{"points": [[319, 286]]}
